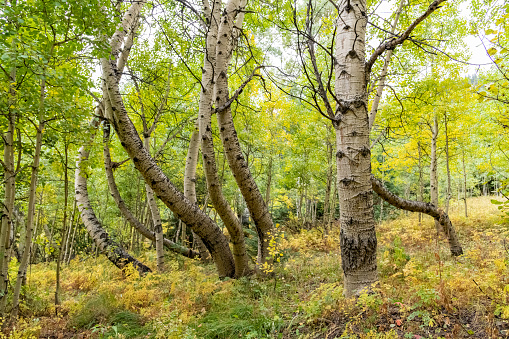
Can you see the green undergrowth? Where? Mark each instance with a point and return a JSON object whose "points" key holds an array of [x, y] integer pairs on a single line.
{"points": [[422, 292]]}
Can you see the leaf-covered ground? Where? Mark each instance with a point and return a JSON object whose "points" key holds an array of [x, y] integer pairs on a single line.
{"points": [[422, 292]]}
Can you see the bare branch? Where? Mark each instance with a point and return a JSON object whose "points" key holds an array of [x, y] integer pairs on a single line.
{"points": [[238, 91], [391, 44]]}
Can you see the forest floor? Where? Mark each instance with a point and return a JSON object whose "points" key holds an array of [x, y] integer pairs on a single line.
{"points": [[423, 292]]}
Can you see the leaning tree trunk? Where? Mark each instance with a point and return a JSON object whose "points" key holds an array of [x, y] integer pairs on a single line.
{"points": [[135, 223], [230, 23], [114, 252], [191, 214], [418, 206], [217, 198], [358, 237]]}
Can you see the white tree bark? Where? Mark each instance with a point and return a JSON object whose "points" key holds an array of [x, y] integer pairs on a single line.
{"points": [[190, 182], [358, 238], [116, 254], [258, 209], [135, 223]]}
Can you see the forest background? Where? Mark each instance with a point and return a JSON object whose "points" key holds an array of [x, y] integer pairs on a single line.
{"points": [[151, 76]]}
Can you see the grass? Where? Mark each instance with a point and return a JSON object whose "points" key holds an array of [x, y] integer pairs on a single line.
{"points": [[422, 291]]}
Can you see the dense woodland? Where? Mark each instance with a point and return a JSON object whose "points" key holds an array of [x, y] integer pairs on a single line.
{"points": [[254, 169]]}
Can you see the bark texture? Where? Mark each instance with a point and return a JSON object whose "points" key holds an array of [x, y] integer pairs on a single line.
{"points": [[115, 253], [214, 51], [433, 173], [417, 206], [358, 238], [191, 214], [124, 209], [190, 182], [230, 24]]}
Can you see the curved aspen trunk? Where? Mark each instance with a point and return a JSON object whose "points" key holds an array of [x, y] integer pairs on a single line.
{"points": [[190, 182], [217, 198], [417, 206], [135, 223], [358, 237], [258, 209], [116, 254], [191, 214]]}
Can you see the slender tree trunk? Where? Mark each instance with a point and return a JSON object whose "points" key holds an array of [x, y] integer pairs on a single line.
{"points": [[133, 221], [328, 184], [156, 216], [190, 182], [22, 270], [116, 254], [433, 168], [421, 181], [9, 189], [449, 191], [353, 158], [69, 234], [64, 229], [464, 183], [269, 181], [418, 206]]}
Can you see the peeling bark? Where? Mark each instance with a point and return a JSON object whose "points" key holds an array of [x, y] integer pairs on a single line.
{"points": [[417, 206]]}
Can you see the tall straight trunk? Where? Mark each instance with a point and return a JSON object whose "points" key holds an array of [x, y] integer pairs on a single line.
{"points": [[22, 270], [328, 183], [71, 244], [421, 181], [229, 26], [464, 183], [433, 168], [156, 216], [71, 231], [64, 229], [358, 238], [114, 252], [9, 189], [269, 181], [190, 181], [449, 191], [332, 212], [418, 206], [133, 221]]}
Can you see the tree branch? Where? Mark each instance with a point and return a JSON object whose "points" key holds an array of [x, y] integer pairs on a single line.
{"points": [[391, 44], [422, 207]]}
